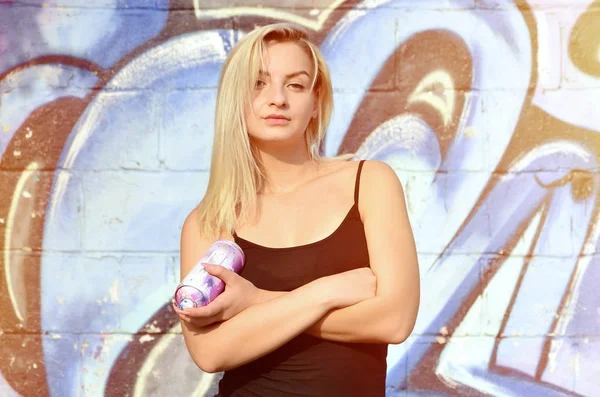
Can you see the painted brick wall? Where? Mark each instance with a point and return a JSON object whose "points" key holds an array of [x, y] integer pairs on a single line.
{"points": [[488, 110]]}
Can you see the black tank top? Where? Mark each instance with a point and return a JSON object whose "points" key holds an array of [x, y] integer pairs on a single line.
{"points": [[306, 365]]}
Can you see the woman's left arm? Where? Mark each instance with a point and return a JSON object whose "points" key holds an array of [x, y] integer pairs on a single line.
{"points": [[390, 316]]}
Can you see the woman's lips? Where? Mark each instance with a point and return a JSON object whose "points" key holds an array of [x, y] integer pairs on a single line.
{"points": [[276, 120]]}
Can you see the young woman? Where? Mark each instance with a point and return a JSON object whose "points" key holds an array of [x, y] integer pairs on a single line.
{"points": [[331, 275]]}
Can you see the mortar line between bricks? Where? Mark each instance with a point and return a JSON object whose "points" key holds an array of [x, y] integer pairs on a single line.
{"points": [[490, 336], [135, 90], [414, 335], [81, 242], [82, 333], [94, 253], [340, 90], [165, 170], [283, 7], [129, 170], [108, 252], [357, 7], [160, 132], [50, 333], [91, 8]]}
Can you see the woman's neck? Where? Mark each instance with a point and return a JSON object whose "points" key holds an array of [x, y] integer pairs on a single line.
{"points": [[287, 169]]}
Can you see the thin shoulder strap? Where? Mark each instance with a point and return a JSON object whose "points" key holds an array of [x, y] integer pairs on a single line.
{"points": [[357, 184]]}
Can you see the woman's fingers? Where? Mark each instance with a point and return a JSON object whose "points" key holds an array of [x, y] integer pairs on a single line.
{"points": [[214, 308], [181, 314], [201, 311], [221, 272], [200, 316]]}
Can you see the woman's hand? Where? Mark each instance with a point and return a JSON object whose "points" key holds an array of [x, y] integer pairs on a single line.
{"points": [[238, 295]]}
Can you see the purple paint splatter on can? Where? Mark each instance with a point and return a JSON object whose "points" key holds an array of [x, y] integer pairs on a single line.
{"points": [[198, 288]]}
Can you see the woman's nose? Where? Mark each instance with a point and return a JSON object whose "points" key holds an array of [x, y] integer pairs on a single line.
{"points": [[277, 96]]}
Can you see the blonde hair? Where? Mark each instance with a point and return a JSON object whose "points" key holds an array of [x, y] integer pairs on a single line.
{"points": [[236, 174]]}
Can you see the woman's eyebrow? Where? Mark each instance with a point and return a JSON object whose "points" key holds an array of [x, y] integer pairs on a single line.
{"points": [[290, 75]]}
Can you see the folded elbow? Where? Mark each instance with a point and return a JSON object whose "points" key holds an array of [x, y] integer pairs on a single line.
{"points": [[399, 332], [208, 364], [202, 350], [207, 359], [398, 337]]}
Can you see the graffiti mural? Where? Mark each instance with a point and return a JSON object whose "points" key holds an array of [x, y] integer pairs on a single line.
{"points": [[487, 110]]}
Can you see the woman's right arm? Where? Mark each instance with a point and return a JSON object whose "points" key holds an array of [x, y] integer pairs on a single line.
{"points": [[263, 327]]}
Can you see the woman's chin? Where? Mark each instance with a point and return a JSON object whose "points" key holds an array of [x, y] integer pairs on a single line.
{"points": [[269, 142]]}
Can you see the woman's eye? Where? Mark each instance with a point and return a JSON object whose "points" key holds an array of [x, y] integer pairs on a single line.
{"points": [[297, 86], [260, 84]]}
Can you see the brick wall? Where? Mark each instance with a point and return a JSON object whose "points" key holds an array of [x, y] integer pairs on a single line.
{"points": [[488, 110]]}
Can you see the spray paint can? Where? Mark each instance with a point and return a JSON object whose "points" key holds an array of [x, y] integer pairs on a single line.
{"points": [[198, 287]]}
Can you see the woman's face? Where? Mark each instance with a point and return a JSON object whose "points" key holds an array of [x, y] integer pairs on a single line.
{"points": [[283, 102]]}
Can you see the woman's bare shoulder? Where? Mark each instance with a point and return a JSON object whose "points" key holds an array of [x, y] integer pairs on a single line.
{"points": [[339, 168], [192, 228]]}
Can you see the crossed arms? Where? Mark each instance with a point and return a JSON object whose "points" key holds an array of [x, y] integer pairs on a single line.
{"points": [[376, 305]]}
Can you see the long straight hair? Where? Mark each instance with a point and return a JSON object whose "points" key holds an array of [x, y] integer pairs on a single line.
{"points": [[236, 173]]}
